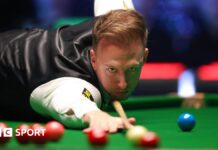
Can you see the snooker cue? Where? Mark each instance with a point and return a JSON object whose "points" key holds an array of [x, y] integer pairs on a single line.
{"points": [[118, 107]]}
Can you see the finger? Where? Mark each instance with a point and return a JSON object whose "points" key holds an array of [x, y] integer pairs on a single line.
{"points": [[113, 129], [101, 125], [113, 126], [120, 123], [92, 126], [132, 120], [87, 130]]}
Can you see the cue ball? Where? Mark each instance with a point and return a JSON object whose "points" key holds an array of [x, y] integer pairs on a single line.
{"points": [[135, 133], [186, 121]]}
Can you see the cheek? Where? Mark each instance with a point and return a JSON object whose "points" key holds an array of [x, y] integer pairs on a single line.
{"points": [[133, 79], [104, 78]]}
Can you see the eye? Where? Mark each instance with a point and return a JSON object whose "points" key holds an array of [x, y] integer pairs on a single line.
{"points": [[111, 70], [133, 69]]}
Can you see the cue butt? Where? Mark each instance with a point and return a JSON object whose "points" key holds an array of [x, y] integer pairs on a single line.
{"points": [[118, 107]]}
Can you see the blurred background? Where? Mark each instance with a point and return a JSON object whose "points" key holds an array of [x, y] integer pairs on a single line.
{"points": [[179, 30], [184, 31]]}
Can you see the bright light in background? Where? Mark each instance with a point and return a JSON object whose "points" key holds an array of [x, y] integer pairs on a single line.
{"points": [[186, 84]]}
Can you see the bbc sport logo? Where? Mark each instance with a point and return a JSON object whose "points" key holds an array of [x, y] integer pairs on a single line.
{"points": [[8, 132]]}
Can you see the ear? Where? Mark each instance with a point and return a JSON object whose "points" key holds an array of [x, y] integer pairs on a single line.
{"points": [[93, 58], [146, 51]]}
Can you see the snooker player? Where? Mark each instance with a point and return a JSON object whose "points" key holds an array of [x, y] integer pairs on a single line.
{"points": [[70, 73]]}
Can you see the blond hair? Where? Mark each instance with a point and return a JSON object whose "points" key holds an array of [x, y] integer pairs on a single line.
{"points": [[121, 27]]}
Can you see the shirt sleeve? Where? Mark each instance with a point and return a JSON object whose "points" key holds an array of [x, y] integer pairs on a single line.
{"points": [[66, 99]]}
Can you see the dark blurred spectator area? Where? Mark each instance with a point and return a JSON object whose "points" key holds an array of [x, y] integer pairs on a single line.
{"points": [[179, 30]]}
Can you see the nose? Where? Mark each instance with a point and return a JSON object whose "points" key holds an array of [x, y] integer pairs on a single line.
{"points": [[122, 83]]}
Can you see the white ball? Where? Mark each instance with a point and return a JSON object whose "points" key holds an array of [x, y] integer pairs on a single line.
{"points": [[135, 133]]}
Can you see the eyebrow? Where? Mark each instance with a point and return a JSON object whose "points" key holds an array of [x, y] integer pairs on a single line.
{"points": [[138, 63]]}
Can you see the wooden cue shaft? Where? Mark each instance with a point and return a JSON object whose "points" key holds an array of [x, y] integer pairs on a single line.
{"points": [[118, 107]]}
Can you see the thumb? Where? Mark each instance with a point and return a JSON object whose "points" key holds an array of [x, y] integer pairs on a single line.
{"points": [[132, 120]]}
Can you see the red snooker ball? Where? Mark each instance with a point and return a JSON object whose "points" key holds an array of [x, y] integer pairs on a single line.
{"points": [[21, 134], [38, 136], [149, 140], [54, 130], [3, 139], [97, 137]]}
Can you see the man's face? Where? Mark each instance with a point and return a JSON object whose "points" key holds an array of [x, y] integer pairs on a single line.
{"points": [[118, 67]]}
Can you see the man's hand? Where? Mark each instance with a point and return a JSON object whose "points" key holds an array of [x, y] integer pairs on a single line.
{"points": [[196, 101], [102, 120]]}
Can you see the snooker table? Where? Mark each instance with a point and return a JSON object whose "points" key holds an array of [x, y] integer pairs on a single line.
{"points": [[156, 113]]}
